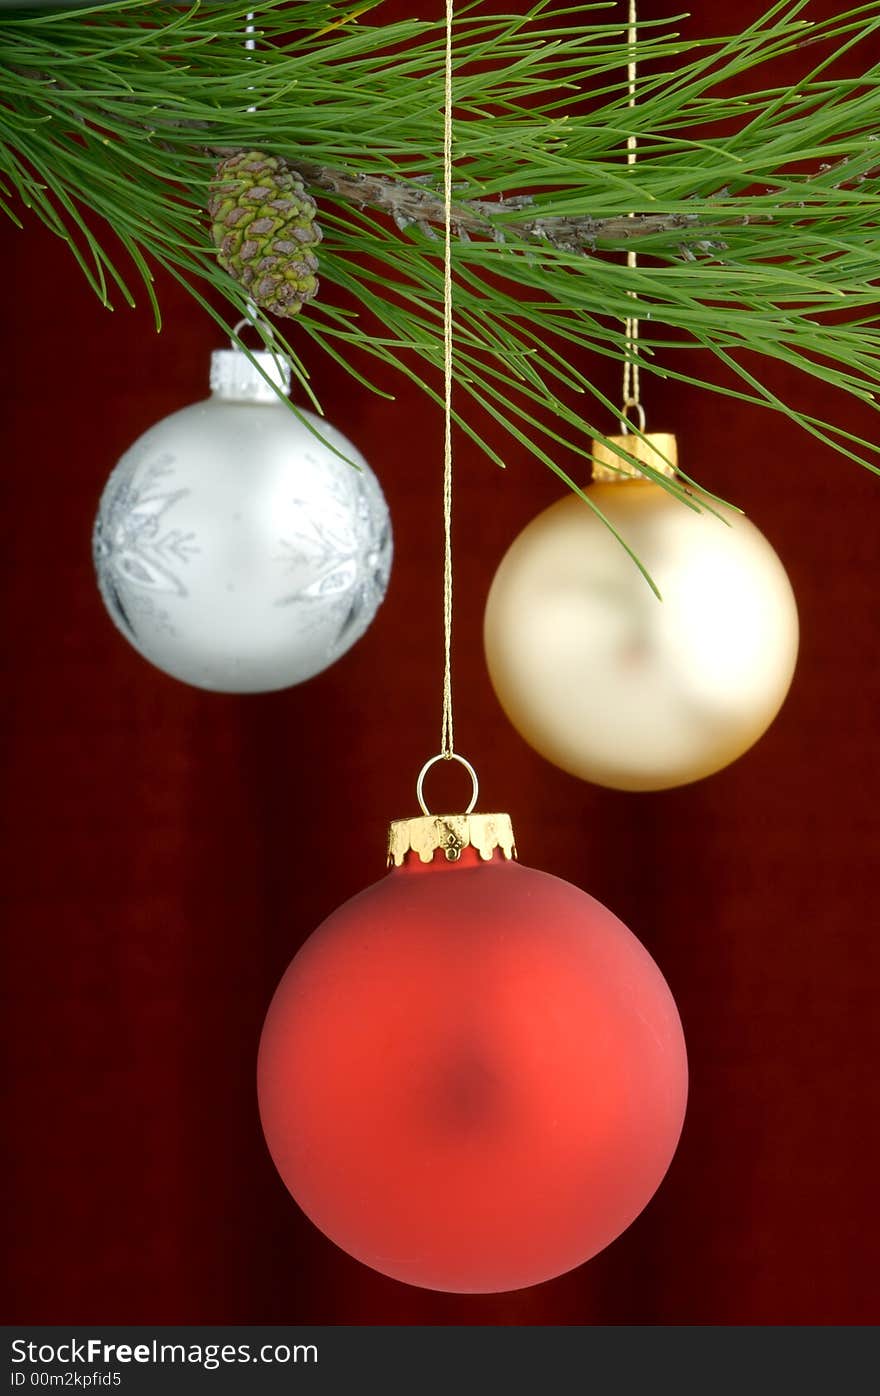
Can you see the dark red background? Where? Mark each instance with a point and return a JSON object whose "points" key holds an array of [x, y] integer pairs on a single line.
{"points": [[166, 851]]}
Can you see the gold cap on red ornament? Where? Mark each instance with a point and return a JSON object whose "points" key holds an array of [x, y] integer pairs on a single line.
{"points": [[425, 834]]}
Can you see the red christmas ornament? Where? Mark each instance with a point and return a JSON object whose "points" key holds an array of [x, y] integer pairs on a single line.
{"points": [[472, 1076]]}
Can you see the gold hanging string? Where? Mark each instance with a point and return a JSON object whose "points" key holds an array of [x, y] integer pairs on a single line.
{"points": [[447, 746], [631, 386]]}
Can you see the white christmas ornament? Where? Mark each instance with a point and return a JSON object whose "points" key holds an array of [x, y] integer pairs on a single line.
{"points": [[234, 548]]}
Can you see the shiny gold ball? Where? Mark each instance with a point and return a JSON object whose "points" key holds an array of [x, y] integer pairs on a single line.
{"points": [[615, 686]]}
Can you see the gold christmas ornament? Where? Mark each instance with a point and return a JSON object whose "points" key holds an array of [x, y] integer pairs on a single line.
{"points": [[613, 685]]}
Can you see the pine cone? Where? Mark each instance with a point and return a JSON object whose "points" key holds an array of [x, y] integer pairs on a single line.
{"points": [[263, 226]]}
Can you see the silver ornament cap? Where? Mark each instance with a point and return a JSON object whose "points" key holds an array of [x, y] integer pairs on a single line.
{"points": [[236, 378]]}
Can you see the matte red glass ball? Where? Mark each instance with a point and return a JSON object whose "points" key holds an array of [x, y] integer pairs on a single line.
{"points": [[472, 1076]]}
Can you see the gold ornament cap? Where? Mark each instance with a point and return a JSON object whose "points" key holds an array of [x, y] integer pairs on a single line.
{"points": [[451, 833], [658, 449]]}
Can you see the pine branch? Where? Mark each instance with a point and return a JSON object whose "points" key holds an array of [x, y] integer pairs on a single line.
{"points": [[410, 204], [114, 120]]}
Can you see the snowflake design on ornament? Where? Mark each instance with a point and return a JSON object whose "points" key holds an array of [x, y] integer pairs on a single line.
{"points": [[347, 558], [132, 546], [142, 606]]}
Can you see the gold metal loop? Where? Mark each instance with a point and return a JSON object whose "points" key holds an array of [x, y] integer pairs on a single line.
{"points": [[627, 407], [443, 756]]}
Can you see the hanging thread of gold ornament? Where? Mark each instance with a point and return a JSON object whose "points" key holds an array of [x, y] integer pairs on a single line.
{"points": [[631, 383], [447, 730]]}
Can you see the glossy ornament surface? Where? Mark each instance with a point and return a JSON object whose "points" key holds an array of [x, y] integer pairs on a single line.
{"points": [[234, 549], [472, 1076], [615, 686]]}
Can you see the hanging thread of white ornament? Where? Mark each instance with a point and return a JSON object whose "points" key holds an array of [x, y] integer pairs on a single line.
{"points": [[250, 43], [447, 730], [631, 381]]}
